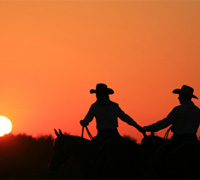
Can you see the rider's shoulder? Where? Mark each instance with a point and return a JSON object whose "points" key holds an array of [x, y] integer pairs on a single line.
{"points": [[177, 108], [185, 105], [96, 104], [114, 103]]}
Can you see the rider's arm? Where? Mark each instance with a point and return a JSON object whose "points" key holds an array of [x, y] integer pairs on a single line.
{"points": [[89, 117], [126, 118], [162, 123]]}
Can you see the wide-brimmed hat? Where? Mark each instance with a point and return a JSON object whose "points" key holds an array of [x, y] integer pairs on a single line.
{"points": [[185, 91], [102, 89]]}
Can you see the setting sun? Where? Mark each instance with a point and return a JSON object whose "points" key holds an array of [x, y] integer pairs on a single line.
{"points": [[5, 125]]}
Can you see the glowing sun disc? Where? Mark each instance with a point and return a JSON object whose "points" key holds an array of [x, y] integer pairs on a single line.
{"points": [[5, 125]]}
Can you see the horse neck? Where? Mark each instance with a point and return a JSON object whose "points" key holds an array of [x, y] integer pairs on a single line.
{"points": [[75, 144]]}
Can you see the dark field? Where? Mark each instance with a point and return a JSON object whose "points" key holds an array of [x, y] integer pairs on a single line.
{"points": [[24, 157]]}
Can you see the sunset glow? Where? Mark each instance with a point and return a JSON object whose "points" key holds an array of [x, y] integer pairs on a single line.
{"points": [[5, 125], [53, 52]]}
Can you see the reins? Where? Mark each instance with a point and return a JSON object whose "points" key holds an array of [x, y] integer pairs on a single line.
{"points": [[89, 134], [167, 133]]}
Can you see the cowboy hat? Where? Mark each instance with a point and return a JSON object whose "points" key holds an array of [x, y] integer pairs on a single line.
{"points": [[102, 89], [186, 91]]}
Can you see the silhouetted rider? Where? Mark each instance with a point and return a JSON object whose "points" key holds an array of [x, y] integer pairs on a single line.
{"points": [[106, 113], [184, 119]]}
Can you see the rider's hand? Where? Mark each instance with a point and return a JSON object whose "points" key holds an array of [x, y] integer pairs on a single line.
{"points": [[143, 131], [83, 123]]}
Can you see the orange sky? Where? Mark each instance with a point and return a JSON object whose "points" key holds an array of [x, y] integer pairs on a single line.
{"points": [[53, 52]]}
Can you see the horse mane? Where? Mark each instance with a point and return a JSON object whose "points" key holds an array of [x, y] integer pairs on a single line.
{"points": [[72, 140]]}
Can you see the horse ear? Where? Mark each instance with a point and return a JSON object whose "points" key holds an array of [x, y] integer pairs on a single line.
{"points": [[60, 132], [56, 132]]}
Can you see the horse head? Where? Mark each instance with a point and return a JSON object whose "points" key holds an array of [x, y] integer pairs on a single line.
{"points": [[58, 154], [65, 147], [152, 139], [150, 143]]}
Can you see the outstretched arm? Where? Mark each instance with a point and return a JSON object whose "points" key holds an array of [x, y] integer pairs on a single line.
{"points": [[126, 118], [162, 123]]}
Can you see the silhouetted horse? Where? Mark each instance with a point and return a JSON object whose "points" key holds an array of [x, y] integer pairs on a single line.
{"points": [[67, 148], [118, 158], [181, 161], [115, 158], [150, 144]]}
